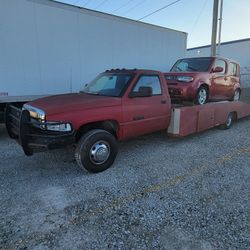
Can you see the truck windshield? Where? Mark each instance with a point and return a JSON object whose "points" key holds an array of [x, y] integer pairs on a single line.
{"points": [[108, 85], [192, 64]]}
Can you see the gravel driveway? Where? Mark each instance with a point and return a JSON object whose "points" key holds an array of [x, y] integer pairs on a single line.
{"points": [[161, 193]]}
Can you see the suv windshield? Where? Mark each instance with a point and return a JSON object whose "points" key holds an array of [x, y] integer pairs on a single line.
{"points": [[108, 85], [192, 64]]}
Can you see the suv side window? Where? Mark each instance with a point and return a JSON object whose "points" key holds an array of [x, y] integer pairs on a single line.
{"points": [[149, 81], [220, 63], [233, 69]]}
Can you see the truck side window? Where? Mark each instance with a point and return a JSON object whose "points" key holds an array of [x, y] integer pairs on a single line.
{"points": [[233, 69], [149, 81], [220, 63]]}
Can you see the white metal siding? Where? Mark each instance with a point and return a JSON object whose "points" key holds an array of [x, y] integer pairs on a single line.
{"points": [[48, 48]]}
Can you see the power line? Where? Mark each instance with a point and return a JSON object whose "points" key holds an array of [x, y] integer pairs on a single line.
{"points": [[77, 2], [164, 7], [103, 2], [198, 18], [124, 5], [141, 2], [86, 3]]}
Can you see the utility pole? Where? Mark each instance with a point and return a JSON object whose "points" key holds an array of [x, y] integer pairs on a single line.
{"points": [[220, 26], [214, 28]]}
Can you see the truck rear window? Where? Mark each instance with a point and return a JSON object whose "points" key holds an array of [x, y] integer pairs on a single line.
{"points": [[192, 65]]}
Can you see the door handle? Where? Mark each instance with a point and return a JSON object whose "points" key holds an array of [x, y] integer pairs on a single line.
{"points": [[225, 78], [163, 101], [139, 117]]}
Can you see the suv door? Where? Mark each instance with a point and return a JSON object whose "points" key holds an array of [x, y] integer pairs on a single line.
{"points": [[219, 86], [143, 115], [233, 77]]}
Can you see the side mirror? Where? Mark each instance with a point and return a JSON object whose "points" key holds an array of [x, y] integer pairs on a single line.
{"points": [[217, 69], [142, 92]]}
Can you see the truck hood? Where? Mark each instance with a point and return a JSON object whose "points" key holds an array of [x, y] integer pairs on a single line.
{"points": [[71, 102]]}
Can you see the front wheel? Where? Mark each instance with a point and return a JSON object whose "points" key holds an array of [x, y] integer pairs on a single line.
{"points": [[96, 150], [201, 96]]}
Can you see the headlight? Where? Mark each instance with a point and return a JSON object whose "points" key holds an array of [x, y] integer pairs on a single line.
{"points": [[185, 78], [60, 127], [35, 112]]}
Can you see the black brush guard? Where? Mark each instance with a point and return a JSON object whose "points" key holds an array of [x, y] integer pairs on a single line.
{"points": [[30, 135]]}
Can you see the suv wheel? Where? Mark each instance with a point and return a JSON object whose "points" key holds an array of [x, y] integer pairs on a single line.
{"points": [[96, 150], [201, 96]]}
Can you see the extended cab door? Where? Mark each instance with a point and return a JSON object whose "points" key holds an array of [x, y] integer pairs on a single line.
{"points": [[143, 115]]}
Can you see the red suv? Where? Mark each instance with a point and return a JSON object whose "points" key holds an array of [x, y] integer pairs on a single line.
{"points": [[201, 79]]}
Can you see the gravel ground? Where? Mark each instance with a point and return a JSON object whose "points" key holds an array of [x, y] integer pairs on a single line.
{"points": [[161, 193]]}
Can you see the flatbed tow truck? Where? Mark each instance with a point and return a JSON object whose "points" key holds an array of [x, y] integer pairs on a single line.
{"points": [[117, 105]]}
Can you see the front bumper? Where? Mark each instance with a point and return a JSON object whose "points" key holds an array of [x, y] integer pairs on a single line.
{"points": [[30, 136], [183, 92]]}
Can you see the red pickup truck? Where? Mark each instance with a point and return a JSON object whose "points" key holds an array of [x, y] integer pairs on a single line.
{"points": [[117, 105]]}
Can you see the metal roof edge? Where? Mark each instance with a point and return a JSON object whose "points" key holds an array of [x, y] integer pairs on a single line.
{"points": [[224, 43], [56, 3]]}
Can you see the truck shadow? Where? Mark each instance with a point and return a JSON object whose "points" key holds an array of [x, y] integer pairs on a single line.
{"points": [[60, 162]]}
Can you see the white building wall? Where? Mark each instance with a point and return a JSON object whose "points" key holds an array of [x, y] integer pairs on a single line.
{"points": [[49, 48], [236, 50]]}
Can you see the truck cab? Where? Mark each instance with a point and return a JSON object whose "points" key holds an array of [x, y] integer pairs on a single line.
{"points": [[116, 105]]}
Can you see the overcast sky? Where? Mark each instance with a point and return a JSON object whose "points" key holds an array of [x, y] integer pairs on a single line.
{"points": [[191, 16]]}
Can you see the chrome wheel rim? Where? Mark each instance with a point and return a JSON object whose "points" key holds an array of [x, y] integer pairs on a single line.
{"points": [[202, 96], [99, 152], [236, 95]]}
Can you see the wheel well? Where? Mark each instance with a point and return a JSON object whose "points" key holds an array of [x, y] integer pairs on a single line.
{"points": [[238, 89], [235, 115], [206, 86], [110, 126]]}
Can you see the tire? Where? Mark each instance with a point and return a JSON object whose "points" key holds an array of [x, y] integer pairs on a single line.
{"points": [[236, 96], [229, 122], [201, 96], [96, 150]]}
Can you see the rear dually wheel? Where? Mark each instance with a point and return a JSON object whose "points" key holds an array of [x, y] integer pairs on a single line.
{"points": [[230, 120]]}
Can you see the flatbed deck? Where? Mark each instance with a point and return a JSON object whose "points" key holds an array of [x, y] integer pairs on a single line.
{"points": [[186, 120]]}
